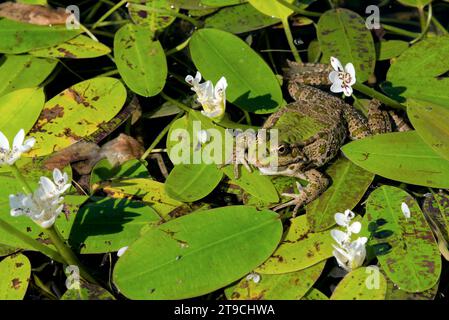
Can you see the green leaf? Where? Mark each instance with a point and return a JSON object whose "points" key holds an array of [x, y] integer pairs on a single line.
{"points": [[430, 122], [416, 73], [77, 112], [342, 33], [354, 287], [192, 182], [389, 49], [349, 184], [15, 272], [24, 71], [239, 19], [405, 248], [104, 170], [401, 156], [272, 8], [255, 183], [394, 293], [252, 85], [80, 47], [221, 3], [159, 14], [140, 61], [107, 225], [415, 3], [287, 286], [39, 2], [197, 253], [20, 109], [6, 250], [315, 294], [87, 291], [18, 37], [299, 249], [152, 192]]}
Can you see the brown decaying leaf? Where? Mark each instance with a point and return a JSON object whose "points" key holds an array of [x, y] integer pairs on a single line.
{"points": [[33, 14]]}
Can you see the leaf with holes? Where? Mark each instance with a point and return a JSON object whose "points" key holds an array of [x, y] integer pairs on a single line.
{"points": [[140, 60], [252, 85], [400, 156], [197, 253], [15, 272], [349, 184], [342, 33], [405, 247], [77, 112]]}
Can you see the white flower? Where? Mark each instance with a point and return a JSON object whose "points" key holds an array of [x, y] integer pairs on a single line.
{"points": [[121, 251], [351, 256], [212, 99], [203, 136], [342, 78], [45, 204], [405, 210], [8, 155], [253, 276]]}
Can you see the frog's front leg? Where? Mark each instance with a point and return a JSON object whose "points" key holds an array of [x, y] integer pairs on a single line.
{"points": [[317, 184]]}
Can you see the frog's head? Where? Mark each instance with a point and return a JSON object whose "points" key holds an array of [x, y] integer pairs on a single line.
{"points": [[281, 157]]}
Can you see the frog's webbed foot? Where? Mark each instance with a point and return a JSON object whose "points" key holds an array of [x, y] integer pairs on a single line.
{"points": [[317, 183]]}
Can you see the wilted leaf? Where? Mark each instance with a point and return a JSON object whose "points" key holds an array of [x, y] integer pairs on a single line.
{"points": [[197, 253], [33, 13]]}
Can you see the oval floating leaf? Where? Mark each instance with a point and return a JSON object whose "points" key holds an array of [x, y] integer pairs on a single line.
{"points": [[24, 71], [342, 33], [18, 37], [197, 253], [140, 61], [191, 182], [349, 184], [401, 156], [287, 286], [77, 112], [430, 122], [15, 272], [405, 247], [299, 249], [80, 47], [354, 286], [272, 8], [251, 84], [239, 19], [20, 109]]}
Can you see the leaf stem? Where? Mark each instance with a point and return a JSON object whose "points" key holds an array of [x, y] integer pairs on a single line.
{"points": [[400, 31], [109, 12], [160, 136], [379, 96], [5, 226], [299, 10], [178, 48], [289, 36]]}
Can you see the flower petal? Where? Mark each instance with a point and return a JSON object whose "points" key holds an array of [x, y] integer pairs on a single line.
{"points": [[341, 219], [347, 90], [349, 68], [18, 140], [336, 64], [4, 143], [405, 210], [355, 227], [28, 145], [339, 236], [337, 86], [333, 76]]}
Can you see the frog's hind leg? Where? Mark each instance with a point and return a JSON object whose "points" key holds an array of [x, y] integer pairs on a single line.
{"points": [[357, 125], [317, 184], [380, 121]]}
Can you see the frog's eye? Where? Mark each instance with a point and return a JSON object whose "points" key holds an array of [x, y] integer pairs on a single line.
{"points": [[283, 149]]}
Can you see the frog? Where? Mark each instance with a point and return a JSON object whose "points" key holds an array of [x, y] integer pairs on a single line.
{"points": [[313, 128]]}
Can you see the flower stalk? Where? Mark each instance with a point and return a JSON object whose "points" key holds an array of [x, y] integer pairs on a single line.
{"points": [[379, 96]]}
